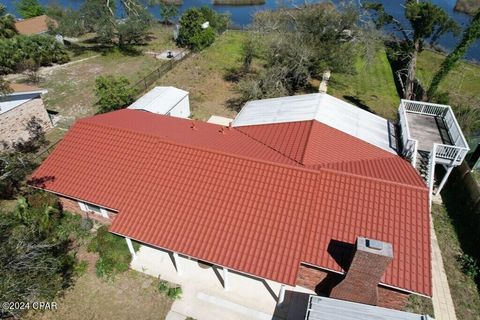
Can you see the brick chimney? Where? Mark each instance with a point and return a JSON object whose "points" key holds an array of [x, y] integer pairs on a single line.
{"points": [[369, 263]]}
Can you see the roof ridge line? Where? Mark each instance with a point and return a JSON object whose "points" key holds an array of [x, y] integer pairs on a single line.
{"points": [[266, 145], [301, 167], [308, 140], [373, 178]]}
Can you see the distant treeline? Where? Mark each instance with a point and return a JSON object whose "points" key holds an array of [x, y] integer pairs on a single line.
{"points": [[173, 2], [238, 2], [467, 6]]}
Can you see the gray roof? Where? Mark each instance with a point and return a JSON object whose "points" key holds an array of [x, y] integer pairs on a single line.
{"points": [[324, 108], [321, 308]]}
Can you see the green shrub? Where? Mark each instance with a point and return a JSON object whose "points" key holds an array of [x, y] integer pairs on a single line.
{"points": [[42, 199], [218, 22], [113, 251], [81, 268], [30, 8], [174, 293], [71, 226], [163, 286], [469, 265], [192, 35], [113, 93], [20, 52]]}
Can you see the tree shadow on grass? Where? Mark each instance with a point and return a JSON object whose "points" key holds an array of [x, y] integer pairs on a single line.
{"points": [[465, 217], [359, 103]]}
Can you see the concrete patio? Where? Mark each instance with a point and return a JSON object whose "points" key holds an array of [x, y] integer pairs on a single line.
{"points": [[204, 296]]}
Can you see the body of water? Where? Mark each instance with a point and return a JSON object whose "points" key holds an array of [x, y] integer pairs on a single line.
{"points": [[242, 15]]}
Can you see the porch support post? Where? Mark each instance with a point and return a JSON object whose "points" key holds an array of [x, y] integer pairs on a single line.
{"points": [[444, 180], [177, 265], [281, 295], [226, 284], [130, 248]]}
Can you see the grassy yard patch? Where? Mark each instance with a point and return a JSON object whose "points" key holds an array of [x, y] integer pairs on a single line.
{"points": [[131, 296], [462, 82], [420, 305], [372, 87], [71, 87], [202, 74], [114, 256], [465, 295]]}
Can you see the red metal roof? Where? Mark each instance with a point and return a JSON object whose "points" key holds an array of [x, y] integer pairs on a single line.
{"points": [[316, 145], [218, 195]]}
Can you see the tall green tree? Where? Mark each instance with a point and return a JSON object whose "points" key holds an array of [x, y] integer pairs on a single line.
{"points": [[113, 93], [168, 12], [470, 35], [18, 160], [98, 16], [427, 21], [191, 33], [35, 259], [297, 45], [7, 23], [30, 8]]}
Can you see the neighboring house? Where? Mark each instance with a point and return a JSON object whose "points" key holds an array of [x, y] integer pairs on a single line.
{"points": [[302, 197], [36, 25], [18, 108], [170, 101]]}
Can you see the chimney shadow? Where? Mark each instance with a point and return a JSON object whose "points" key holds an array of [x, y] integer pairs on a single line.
{"points": [[342, 253]]}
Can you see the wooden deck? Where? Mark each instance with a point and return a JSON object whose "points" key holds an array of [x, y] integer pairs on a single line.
{"points": [[427, 130]]}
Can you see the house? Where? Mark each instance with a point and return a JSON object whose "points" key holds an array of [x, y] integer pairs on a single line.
{"points": [[35, 25], [18, 108], [170, 101], [302, 200]]}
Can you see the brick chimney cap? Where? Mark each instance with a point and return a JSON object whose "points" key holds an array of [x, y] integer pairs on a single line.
{"points": [[375, 246]]}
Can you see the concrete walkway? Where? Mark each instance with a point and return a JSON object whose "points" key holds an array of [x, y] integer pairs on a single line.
{"points": [[442, 299], [203, 294]]}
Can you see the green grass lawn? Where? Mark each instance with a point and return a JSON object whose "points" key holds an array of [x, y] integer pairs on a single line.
{"points": [[71, 87], [203, 75], [464, 292], [372, 86], [461, 83]]}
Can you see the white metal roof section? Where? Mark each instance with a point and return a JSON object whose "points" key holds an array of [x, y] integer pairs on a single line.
{"points": [[13, 100], [223, 121], [159, 100], [320, 308], [324, 108]]}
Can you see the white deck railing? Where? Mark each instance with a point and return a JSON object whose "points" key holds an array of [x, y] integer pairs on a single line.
{"points": [[454, 153], [410, 145]]}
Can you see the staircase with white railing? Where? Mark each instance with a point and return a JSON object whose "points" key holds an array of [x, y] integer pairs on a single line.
{"points": [[450, 153]]}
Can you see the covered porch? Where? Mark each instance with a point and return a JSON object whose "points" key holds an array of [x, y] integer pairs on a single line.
{"points": [[214, 292]]}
